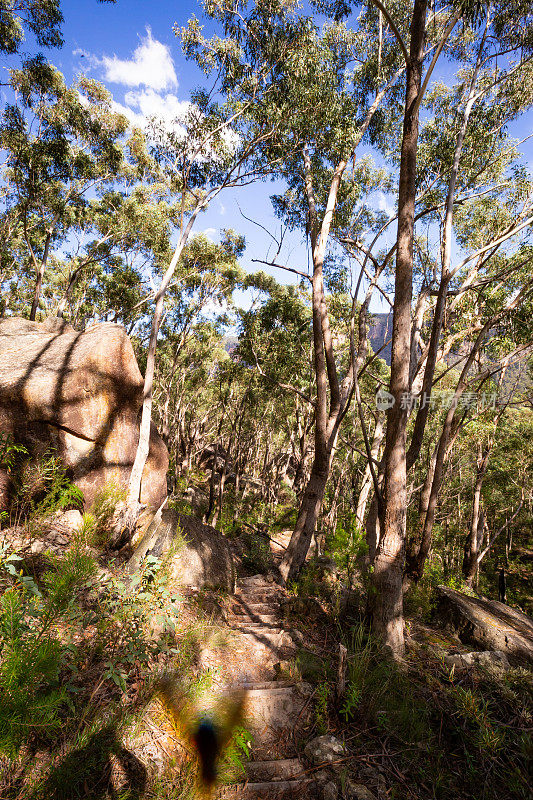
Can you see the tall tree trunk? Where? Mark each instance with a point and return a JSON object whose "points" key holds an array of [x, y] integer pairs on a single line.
{"points": [[40, 275], [143, 447], [474, 539], [367, 483], [310, 506], [387, 577], [326, 421], [446, 274]]}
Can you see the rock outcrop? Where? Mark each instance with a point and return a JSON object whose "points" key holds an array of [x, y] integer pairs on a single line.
{"points": [[203, 557], [81, 393], [489, 659], [487, 623]]}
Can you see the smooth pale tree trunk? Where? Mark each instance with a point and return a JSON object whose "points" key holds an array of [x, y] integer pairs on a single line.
{"points": [[63, 303], [474, 539], [387, 577], [307, 516], [446, 274], [367, 483], [39, 277], [143, 447], [327, 421]]}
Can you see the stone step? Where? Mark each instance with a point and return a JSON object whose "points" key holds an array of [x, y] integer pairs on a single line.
{"points": [[270, 640], [278, 641], [259, 598], [257, 583], [277, 707], [255, 580], [292, 636], [258, 594], [257, 628], [299, 788], [253, 619], [270, 636], [239, 606], [282, 769]]}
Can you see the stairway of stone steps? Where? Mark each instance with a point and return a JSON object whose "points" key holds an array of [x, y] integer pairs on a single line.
{"points": [[277, 709]]}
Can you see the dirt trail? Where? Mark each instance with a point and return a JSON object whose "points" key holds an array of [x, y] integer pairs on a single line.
{"points": [[278, 709]]}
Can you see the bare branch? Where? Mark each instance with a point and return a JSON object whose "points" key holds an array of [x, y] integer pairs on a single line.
{"points": [[281, 266], [394, 29]]}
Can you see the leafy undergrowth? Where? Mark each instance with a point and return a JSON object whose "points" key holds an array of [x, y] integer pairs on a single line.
{"points": [[81, 648], [419, 730]]}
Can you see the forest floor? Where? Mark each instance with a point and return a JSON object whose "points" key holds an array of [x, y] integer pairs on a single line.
{"points": [[417, 730]]}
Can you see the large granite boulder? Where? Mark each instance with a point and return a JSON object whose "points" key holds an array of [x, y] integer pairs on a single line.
{"points": [[202, 556], [487, 623], [81, 393]]}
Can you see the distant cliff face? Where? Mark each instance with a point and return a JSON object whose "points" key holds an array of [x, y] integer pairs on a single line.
{"points": [[380, 331]]}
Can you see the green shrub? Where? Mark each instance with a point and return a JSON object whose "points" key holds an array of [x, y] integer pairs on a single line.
{"points": [[348, 547], [40, 487], [390, 701], [98, 524], [31, 653]]}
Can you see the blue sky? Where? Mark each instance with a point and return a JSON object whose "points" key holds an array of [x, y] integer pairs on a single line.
{"points": [[130, 46]]}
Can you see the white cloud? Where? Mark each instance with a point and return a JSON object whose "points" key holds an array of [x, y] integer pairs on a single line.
{"points": [[151, 104], [136, 120], [385, 204], [209, 232], [141, 106], [90, 60], [151, 65]]}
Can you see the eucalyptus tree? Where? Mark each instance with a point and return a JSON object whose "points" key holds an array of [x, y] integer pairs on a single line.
{"points": [[489, 202], [413, 360], [334, 102], [274, 336], [499, 345], [484, 503], [43, 18], [226, 138], [274, 341], [197, 305], [61, 144]]}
